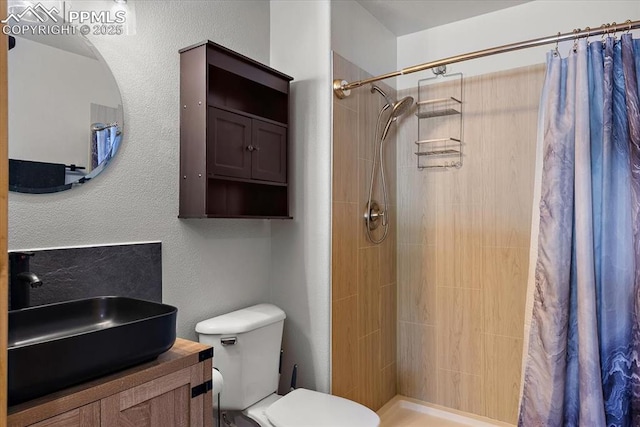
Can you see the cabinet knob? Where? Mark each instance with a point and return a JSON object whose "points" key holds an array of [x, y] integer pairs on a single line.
{"points": [[250, 148]]}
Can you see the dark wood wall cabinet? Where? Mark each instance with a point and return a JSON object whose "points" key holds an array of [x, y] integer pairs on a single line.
{"points": [[234, 120]]}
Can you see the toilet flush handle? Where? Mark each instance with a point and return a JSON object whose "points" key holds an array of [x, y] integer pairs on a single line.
{"points": [[229, 340]]}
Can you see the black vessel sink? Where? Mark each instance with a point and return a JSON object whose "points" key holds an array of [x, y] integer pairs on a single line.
{"points": [[57, 345]]}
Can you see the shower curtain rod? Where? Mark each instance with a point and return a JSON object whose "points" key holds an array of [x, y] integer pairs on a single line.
{"points": [[342, 88]]}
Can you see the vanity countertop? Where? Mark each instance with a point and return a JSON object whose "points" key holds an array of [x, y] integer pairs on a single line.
{"points": [[183, 355]]}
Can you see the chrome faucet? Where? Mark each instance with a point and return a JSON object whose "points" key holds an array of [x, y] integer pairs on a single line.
{"points": [[21, 280]]}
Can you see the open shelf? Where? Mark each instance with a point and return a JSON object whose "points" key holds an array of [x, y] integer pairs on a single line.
{"points": [[437, 152], [439, 107], [240, 199], [252, 116], [240, 94], [251, 181], [441, 149]]}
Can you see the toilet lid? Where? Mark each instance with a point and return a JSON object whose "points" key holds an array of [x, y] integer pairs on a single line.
{"points": [[306, 408]]}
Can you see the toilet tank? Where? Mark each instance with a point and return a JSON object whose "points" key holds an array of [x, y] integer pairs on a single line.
{"points": [[246, 350]]}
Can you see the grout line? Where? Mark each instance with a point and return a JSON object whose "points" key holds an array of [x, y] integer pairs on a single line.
{"points": [[345, 106]]}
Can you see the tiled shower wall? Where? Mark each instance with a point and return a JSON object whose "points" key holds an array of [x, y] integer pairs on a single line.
{"points": [[463, 245], [363, 275]]}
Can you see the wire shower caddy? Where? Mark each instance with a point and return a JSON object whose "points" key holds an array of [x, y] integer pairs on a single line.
{"points": [[437, 113]]}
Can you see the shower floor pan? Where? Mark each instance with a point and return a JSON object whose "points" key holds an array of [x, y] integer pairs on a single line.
{"points": [[406, 412]]}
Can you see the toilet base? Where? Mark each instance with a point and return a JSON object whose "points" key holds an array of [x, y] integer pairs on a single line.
{"points": [[257, 411], [253, 416], [237, 419]]}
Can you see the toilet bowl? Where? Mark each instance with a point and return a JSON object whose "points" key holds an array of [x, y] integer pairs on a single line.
{"points": [[246, 346]]}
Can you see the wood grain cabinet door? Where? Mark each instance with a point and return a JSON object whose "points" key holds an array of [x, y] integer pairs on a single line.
{"points": [[164, 402], [85, 416], [228, 144], [269, 162]]}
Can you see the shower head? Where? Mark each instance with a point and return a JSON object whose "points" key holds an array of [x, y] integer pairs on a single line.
{"points": [[402, 106], [399, 108]]}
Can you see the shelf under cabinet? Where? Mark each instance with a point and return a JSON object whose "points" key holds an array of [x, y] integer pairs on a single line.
{"points": [[250, 115], [248, 181], [244, 198], [248, 216]]}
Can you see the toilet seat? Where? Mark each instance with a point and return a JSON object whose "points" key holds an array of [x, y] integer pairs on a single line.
{"points": [[306, 408]]}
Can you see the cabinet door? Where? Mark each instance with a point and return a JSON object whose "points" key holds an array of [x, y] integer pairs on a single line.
{"points": [[85, 416], [163, 402], [228, 144], [269, 162]]}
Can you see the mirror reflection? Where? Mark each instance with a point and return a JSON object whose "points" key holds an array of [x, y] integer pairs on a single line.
{"points": [[65, 113]]}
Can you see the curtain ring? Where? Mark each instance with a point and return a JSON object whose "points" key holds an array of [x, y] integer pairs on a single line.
{"points": [[556, 52], [588, 30], [614, 30], [628, 22], [605, 33], [575, 39]]}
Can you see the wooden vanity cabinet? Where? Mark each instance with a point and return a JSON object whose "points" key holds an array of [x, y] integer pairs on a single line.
{"points": [[173, 390], [234, 144]]}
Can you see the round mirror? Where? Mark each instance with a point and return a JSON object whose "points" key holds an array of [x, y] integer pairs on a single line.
{"points": [[65, 112]]}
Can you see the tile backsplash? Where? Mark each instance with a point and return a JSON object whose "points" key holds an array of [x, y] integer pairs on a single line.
{"points": [[130, 270]]}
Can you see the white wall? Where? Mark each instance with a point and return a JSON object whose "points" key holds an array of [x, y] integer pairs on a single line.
{"points": [[50, 96], [360, 38], [209, 266], [540, 18], [300, 249]]}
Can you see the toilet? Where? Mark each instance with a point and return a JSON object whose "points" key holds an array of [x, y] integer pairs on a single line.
{"points": [[246, 346]]}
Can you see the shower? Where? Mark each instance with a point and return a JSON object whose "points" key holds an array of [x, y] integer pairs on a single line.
{"points": [[373, 212]]}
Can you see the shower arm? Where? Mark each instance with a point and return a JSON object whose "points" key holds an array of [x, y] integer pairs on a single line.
{"points": [[342, 88]]}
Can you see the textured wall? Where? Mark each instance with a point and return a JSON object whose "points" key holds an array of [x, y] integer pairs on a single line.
{"points": [[209, 266], [463, 245], [300, 248], [363, 275]]}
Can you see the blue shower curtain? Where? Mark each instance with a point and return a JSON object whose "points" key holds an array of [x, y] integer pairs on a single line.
{"points": [[582, 365]]}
